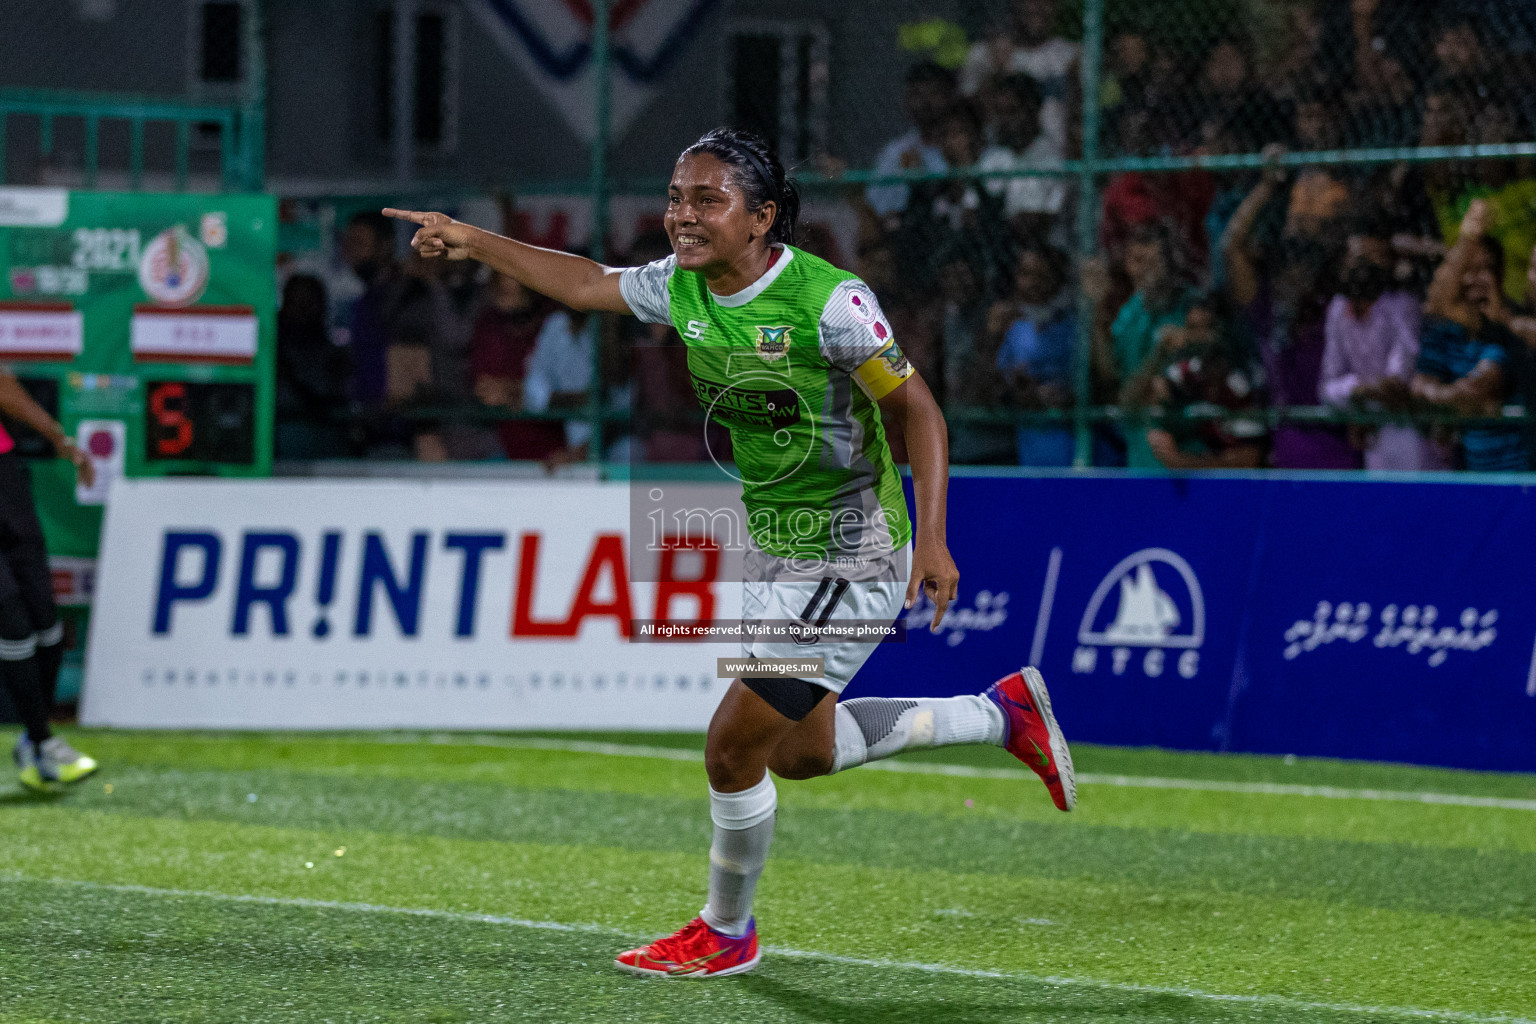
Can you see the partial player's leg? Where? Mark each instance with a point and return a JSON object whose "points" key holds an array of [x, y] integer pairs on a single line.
{"points": [[1014, 713], [31, 635], [20, 676], [751, 722]]}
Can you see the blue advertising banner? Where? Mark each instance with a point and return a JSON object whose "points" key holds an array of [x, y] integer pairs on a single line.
{"points": [[1339, 618]]}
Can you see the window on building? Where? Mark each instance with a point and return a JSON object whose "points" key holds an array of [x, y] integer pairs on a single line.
{"points": [[221, 39], [777, 84], [432, 74]]}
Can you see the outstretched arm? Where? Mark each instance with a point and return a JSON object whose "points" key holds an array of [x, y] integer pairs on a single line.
{"points": [[573, 280], [17, 404], [1237, 242], [913, 406], [1444, 298]]}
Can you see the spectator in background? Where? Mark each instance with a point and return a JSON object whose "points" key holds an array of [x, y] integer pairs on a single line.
{"points": [[910, 301], [1372, 344], [312, 384], [1036, 336], [1279, 303], [928, 95], [1127, 68], [1228, 96], [1029, 44], [1135, 199], [501, 344], [1320, 194], [1459, 55], [1519, 317], [368, 247], [1032, 205], [1196, 365], [1465, 359], [968, 379], [956, 211], [427, 355], [1161, 300], [1444, 120], [560, 373], [1507, 186], [1382, 107]]}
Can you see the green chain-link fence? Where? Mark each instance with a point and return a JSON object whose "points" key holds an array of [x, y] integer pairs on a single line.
{"points": [[1219, 220]]}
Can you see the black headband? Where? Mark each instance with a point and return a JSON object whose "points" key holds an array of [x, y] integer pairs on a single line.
{"points": [[762, 171]]}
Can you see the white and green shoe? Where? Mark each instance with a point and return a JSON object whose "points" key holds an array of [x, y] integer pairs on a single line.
{"points": [[25, 756], [52, 760]]}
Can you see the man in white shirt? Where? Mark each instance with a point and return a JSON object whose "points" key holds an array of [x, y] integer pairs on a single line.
{"points": [[560, 369], [928, 96], [1031, 204], [1028, 45]]}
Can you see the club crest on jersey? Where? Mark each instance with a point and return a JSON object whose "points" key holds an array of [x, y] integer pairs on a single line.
{"points": [[772, 343]]}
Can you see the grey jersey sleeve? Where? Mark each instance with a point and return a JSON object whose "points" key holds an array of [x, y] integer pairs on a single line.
{"points": [[853, 327], [645, 290]]}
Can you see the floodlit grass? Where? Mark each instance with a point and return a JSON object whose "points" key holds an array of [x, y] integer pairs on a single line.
{"points": [[411, 878]]}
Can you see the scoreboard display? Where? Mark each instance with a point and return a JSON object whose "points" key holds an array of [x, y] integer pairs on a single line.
{"points": [[145, 323]]}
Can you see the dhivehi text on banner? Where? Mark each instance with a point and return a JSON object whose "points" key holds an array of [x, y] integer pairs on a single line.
{"points": [[1337, 618]]}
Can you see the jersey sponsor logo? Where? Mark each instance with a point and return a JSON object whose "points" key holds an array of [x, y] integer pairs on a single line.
{"points": [[736, 406], [862, 305], [772, 343], [695, 330]]}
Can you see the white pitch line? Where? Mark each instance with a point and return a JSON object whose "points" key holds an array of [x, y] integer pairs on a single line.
{"points": [[969, 772], [305, 903]]}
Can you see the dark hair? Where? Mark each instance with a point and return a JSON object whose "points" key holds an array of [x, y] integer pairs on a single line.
{"points": [[382, 227], [929, 72], [1058, 263], [1366, 220], [759, 174], [967, 113], [1495, 250], [1023, 87]]}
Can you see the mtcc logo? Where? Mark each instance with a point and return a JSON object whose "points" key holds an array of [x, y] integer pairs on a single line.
{"points": [[1159, 611]]}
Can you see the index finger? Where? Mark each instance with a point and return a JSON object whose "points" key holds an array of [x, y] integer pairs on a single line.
{"points": [[414, 216], [941, 597]]}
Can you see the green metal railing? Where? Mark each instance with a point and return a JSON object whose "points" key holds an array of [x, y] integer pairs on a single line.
{"points": [[1088, 172], [239, 136], [241, 125]]}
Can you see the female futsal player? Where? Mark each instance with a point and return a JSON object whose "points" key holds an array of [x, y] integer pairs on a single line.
{"points": [[795, 357], [31, 633]]}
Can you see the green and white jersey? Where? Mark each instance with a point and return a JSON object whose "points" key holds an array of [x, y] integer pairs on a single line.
{"points": [[793, 365]]}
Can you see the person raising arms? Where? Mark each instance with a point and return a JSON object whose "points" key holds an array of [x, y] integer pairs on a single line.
{"points": [[796, 359]]}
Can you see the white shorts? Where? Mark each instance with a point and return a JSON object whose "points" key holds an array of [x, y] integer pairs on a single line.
{"points": [[832, 601]]}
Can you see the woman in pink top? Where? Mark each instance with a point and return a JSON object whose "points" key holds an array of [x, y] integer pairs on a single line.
{"points": [[1371, 344]]}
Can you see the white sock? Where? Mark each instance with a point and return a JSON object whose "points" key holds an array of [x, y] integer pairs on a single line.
{"points": [[743, 832], [873, 728]]}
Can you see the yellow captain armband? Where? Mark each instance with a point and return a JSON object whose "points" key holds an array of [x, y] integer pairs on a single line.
{"points": [[883, 372]]}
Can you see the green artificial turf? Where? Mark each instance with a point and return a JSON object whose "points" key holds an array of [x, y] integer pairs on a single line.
{"points": [[348, 877]]}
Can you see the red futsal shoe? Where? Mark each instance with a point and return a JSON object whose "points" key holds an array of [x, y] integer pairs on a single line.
{"points": [[1032, 734], [698, 951]]}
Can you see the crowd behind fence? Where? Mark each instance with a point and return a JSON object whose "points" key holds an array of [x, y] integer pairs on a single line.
{"points": [[1296, 235]]}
